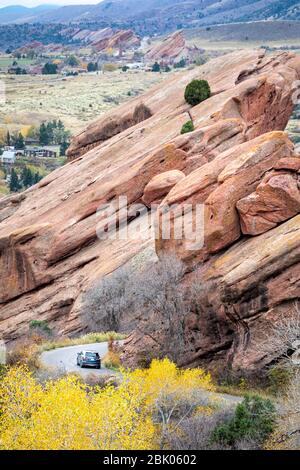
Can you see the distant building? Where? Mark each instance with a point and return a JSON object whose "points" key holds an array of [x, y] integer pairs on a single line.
{"points": [[50, 151], [135, 66], [8, 157], [31, 141]]}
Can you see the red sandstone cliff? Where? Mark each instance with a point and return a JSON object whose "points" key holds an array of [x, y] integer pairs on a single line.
{"points": [[237, 162], [120, 39], [172, 49]]}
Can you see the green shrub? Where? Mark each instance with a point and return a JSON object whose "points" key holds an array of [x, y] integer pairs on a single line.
{"points": [[254, 419], [156, 67], [41, 325], [180, 65], [187, 127], [197, 91], [279, 377]]}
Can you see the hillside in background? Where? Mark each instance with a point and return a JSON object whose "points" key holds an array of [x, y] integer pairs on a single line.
{"points": [[18, 13], [157, 16], [260, 32]]}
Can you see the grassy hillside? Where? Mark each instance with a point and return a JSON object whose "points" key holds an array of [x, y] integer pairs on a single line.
{"points": [[278, 34], [75, 100]]}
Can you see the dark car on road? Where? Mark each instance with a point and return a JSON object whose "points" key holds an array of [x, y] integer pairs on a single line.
{"points": [[89, 359]]}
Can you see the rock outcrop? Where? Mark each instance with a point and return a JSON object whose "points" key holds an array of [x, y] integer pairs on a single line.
{"points": [[88, 36], [122, 39], [220, 187], [234, 162], [276, 199], [160, 186], [172, 50]]}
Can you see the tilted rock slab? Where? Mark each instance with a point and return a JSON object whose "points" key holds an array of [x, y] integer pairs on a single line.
{"points": [[160, 185], [50, 253], [220, 186], [172, 49], [276, 199]]}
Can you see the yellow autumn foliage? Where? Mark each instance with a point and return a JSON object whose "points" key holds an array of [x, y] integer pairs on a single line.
{"points": [[165, 379], [3, 134], [68, 414], [25, 131]]}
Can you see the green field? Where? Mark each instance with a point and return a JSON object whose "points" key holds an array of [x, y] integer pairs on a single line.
{"points": [[6, 62]]}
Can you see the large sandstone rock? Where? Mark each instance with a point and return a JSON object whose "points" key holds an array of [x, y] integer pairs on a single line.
{"points": [[276, 199], [122, 39], [244, 292], [218, 186], [50, 251], [160, 186], [255, 284], [172, 49]]}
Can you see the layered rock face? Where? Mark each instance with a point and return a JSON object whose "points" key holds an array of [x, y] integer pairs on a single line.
{"points": [[237, 163], [119, 39], [227, 184], [172, 50]]}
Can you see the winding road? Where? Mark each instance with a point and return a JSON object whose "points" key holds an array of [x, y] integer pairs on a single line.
{"points": [[64, 359]]}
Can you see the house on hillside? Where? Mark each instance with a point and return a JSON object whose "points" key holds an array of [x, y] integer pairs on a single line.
{"points": [[49, 151], [8, 157], [31, 141]]}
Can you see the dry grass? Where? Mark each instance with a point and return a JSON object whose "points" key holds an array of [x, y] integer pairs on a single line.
{"points": [[112, 360], [3, 189], [238, 391], [224, 37], [89, 338], [77, 101], [25, 352]]}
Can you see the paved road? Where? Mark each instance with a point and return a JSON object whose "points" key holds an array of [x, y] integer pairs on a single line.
{"points": [[64, 359], [225, 400]]}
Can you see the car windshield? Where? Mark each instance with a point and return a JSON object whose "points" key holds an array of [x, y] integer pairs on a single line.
{"points": [[93, 355]]}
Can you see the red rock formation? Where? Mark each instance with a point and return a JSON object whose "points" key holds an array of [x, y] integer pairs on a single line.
{"points": [[172, 49], [160, 186], [219, 186], [123, 38], [90, 37], [49, 249], [276, 199]]}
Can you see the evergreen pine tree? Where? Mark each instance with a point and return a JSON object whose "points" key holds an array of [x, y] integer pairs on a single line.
{"points": [[50, 127], [19, 142], [36, 178], [27, 178], [156, 67], [63, 148], [44, 138], [14, 185]]}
